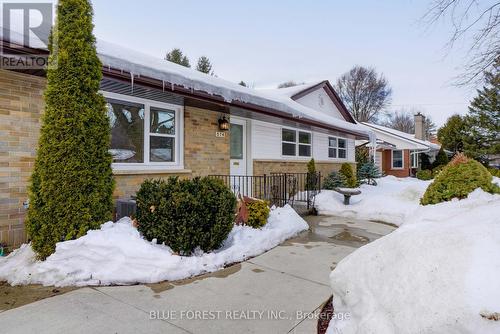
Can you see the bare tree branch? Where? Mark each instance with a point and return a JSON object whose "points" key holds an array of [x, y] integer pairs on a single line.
{"points": [[477, 22], [364, 92]]}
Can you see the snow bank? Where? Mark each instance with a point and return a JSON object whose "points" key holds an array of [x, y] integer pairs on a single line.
{"points": [[394, 200], [438, 273], [117, 254]]}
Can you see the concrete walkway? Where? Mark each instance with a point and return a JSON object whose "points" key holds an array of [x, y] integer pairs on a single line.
{"points": [[276, 292]]}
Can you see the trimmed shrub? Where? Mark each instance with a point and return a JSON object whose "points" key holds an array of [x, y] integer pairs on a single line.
{"points": [[437, 170], [312, 177], [186, 214], [333, 180], [459, 178], [494, 172], [424, 175], [348, 174], [368, 172], [258, 212], [72, 182]]}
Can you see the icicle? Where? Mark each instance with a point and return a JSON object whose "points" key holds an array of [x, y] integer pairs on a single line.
{"points": [[172, 86], [132, 81], [163, 84]]}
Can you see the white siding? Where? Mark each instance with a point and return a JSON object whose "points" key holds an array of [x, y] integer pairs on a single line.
{"points": [[320, 101], [266, 144]]}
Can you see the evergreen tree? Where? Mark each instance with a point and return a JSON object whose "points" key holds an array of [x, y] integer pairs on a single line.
{"points": [[349, 176], [368, 172], [204, 65], [425, 162], [312, 176], [453, 134], [176, 56], [72, 183], [441, 159], [243, 83], [483, 119]]}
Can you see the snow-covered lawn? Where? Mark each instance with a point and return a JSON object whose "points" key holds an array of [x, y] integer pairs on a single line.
{"points": [[117, 254], [393, 201], [438, 273]]}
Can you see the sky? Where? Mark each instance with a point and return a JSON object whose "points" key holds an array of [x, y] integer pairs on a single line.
{"points": [[268, 42]]}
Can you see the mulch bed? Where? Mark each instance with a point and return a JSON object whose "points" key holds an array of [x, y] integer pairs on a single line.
{"points": [[16, 296], [325, 316]]}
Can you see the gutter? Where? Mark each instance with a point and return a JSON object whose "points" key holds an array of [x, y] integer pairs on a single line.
{"points": [[200, 95]]}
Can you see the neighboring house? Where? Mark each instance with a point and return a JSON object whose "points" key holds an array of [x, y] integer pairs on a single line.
{"points": [[398, 153], [168, 120]]}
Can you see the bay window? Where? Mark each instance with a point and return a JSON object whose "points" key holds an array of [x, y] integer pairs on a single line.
{"points": [[296, 143], [337, 148], [144, 133]]}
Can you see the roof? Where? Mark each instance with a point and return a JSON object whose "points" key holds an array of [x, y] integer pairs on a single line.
{"points": [[296, 92], [142, 68], [408, 137], [139, 64], [291, 91]]}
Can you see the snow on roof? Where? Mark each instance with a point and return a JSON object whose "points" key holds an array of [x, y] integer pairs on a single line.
{"points": [[138, 63], [403, 135], [291, 91]]}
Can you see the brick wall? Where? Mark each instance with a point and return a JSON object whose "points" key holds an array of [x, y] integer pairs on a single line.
{"points": [[261, 167], [21, 105], [387, 164], [127, 184], [204, 153]]}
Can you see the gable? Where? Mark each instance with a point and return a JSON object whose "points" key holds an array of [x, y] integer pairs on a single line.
{"points": [[319, 100], [323, 98]]}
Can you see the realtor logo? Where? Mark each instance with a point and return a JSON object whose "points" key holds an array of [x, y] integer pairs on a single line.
{"points": [[25, 25]]}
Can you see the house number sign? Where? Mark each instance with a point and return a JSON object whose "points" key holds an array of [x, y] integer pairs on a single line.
{"points": [[220, 134]]}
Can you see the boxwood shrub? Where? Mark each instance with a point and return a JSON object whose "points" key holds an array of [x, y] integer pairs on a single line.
{"points": [[459, 178], [186, 214], [424, 175], [258, 212]]}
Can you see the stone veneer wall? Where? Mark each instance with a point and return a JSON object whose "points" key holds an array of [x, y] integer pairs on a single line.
{"points": [[261, 167], [204, 154], [21, 106]]}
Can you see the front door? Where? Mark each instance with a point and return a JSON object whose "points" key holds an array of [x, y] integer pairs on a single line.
{"points": [[238, 147]]}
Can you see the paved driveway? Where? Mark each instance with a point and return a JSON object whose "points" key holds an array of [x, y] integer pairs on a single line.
{"points": [[277, 292]]}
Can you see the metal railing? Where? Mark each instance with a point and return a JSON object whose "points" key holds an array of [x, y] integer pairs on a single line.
{"points": [[277, 188]]}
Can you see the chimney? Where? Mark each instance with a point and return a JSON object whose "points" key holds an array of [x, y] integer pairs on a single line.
{"points": [[420, 127]]}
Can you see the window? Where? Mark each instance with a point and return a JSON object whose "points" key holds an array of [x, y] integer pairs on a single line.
{"points": [[143, 132], [337, 148], [397, 159], [304, 144], [236, 144], [294, 142], [127, 131]]}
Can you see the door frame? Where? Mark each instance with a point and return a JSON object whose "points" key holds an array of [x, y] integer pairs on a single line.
{"points": [[247, 143]]}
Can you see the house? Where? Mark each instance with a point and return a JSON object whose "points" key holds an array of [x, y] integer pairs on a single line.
{"points": [[399, 153], [168, 120]]}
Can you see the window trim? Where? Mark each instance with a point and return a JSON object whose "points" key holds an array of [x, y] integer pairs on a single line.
{"points": [[337, 148], [296, 143], [178, 163], [414, 155], [402, 160]]}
